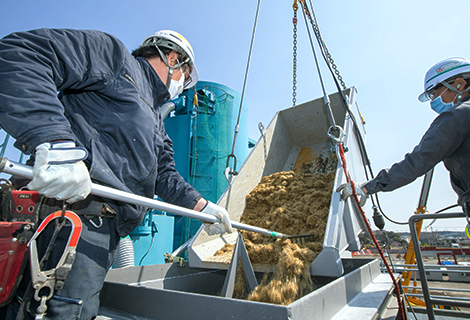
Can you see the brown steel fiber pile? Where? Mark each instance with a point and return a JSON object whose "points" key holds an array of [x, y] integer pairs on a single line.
{"points": [[293, 202]]}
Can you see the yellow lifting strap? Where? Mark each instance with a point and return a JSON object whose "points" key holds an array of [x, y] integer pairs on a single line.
{"points": [[410, 255]]}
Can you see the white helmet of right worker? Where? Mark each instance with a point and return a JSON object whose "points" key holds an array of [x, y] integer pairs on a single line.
{"points": [[442, 71], [176, 42]]}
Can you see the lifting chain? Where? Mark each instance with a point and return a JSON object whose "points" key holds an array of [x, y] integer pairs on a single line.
{"points": [[294, 55], [322, 43]]}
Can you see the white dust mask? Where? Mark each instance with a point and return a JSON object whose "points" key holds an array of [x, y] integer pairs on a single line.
{"points": [[176, 86]]}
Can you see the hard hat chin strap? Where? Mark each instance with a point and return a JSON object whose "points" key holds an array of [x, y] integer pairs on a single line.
{"points": [[170, 68]]}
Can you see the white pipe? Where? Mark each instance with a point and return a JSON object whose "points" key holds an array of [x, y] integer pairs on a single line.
{"points": [[24, 171], [167, 108]]}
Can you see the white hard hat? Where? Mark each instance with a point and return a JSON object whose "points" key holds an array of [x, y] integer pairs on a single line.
{"points": [[176, 42], [442, 71]]}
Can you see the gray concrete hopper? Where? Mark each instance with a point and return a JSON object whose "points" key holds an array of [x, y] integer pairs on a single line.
{"points": [[290, 130]]}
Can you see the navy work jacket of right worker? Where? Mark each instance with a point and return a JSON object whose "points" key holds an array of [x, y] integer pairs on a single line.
{"points": [[446, 140], [108, 103]]}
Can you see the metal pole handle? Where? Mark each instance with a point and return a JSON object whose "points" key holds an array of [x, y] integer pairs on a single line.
{"points": [[24, 171]]}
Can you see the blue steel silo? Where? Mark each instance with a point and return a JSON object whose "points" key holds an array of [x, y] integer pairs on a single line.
{"points": [[202, 129]]}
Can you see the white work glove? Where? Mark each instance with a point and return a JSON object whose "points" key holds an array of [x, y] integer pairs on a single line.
{"points": [[346, 192], [59, 171], [222, 214]]}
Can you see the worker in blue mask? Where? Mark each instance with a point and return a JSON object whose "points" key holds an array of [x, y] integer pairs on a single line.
{"points": [[446, 86], [105, 127]]}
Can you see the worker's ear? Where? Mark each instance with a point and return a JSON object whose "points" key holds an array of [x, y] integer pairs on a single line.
{"points": [[459, 84], [172, 57]]}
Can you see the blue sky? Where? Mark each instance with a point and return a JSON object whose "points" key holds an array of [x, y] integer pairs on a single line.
{"points": [[383, 48]]}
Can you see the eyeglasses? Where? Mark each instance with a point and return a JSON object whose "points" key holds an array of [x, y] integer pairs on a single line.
{"points": [[432, 94]]}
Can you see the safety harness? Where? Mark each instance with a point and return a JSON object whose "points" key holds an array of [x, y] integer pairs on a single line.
{"points": [[24, 215]]}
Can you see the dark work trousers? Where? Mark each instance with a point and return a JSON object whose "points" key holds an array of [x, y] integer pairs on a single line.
{"points": [[79, 298]]}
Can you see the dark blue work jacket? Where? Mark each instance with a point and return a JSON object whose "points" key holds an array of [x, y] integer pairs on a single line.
{"points": [[446, 140], [108, 102]]}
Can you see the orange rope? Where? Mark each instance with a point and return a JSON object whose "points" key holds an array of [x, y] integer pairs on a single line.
{"points": [[374, 239]]}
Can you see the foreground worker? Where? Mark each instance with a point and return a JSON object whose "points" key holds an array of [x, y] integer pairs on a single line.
{"points": [[446, 85], [104, 126]]}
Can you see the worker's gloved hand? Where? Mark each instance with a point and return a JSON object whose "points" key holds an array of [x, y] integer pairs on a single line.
{"points": [[59, 171], [222, 214], [346, 192]]}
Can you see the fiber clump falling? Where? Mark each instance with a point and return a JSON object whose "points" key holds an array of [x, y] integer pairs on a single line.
{"points": [[292, 202]]}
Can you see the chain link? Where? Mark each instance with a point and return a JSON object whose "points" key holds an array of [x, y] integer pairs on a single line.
{"points": [[323, 45], [294, 63]]}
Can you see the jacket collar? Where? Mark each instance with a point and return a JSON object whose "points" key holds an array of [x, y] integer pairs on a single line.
{"points": [[159, 91]]}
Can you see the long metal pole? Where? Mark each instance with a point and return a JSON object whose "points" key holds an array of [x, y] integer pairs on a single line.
{"points": [[422, 202], [24, 171], [423, 198], [237, 126]]}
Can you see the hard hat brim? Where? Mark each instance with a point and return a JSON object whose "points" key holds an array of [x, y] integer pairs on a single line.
{"points": [[194, 77], [442, 71], [423, 97]]}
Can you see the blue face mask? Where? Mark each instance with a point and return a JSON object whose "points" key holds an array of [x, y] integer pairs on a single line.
{"points": [[439, 106]]}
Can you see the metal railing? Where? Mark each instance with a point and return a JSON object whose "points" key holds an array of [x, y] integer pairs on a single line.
{"points": [[429, 300]]}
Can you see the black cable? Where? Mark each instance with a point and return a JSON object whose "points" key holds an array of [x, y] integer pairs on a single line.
{"points": [[444, 209], [447, 208], [381, 211], [150, 247], [153, 231], [362, 148]]}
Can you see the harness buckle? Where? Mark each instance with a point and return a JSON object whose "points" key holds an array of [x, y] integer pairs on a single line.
{"points": [[54, 278]]}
